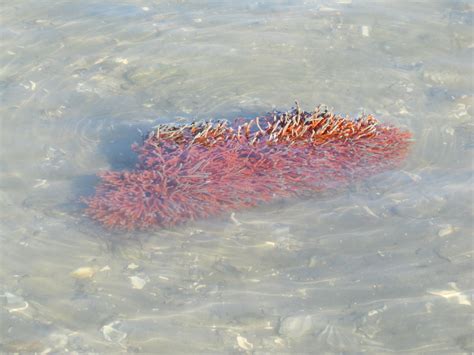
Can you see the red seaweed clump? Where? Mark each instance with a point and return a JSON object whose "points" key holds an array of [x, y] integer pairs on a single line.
{"points": [[203, 169]]}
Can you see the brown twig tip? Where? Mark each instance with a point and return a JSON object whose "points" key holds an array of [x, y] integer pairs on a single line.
{"points": [[203, 169]]}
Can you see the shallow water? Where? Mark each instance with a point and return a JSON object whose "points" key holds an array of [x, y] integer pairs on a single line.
{"points": [[383, 266]]}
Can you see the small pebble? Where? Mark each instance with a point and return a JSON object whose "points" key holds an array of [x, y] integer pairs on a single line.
{"points": [[41, 183], [14, 303], [279, 341], [446, 230], [244, 343], [450, 131], [403, 111], [235, 220], [132, 266], [121, 60], [296, 326], [365, 31], [454, 295], [112, 334], [85, 272], [137, 282]]}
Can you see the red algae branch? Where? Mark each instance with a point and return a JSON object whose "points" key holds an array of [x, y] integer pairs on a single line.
{"points": [[203, 169]]}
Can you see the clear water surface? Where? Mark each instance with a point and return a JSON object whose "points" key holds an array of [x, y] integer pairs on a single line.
{"points": [[383, 266]]}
